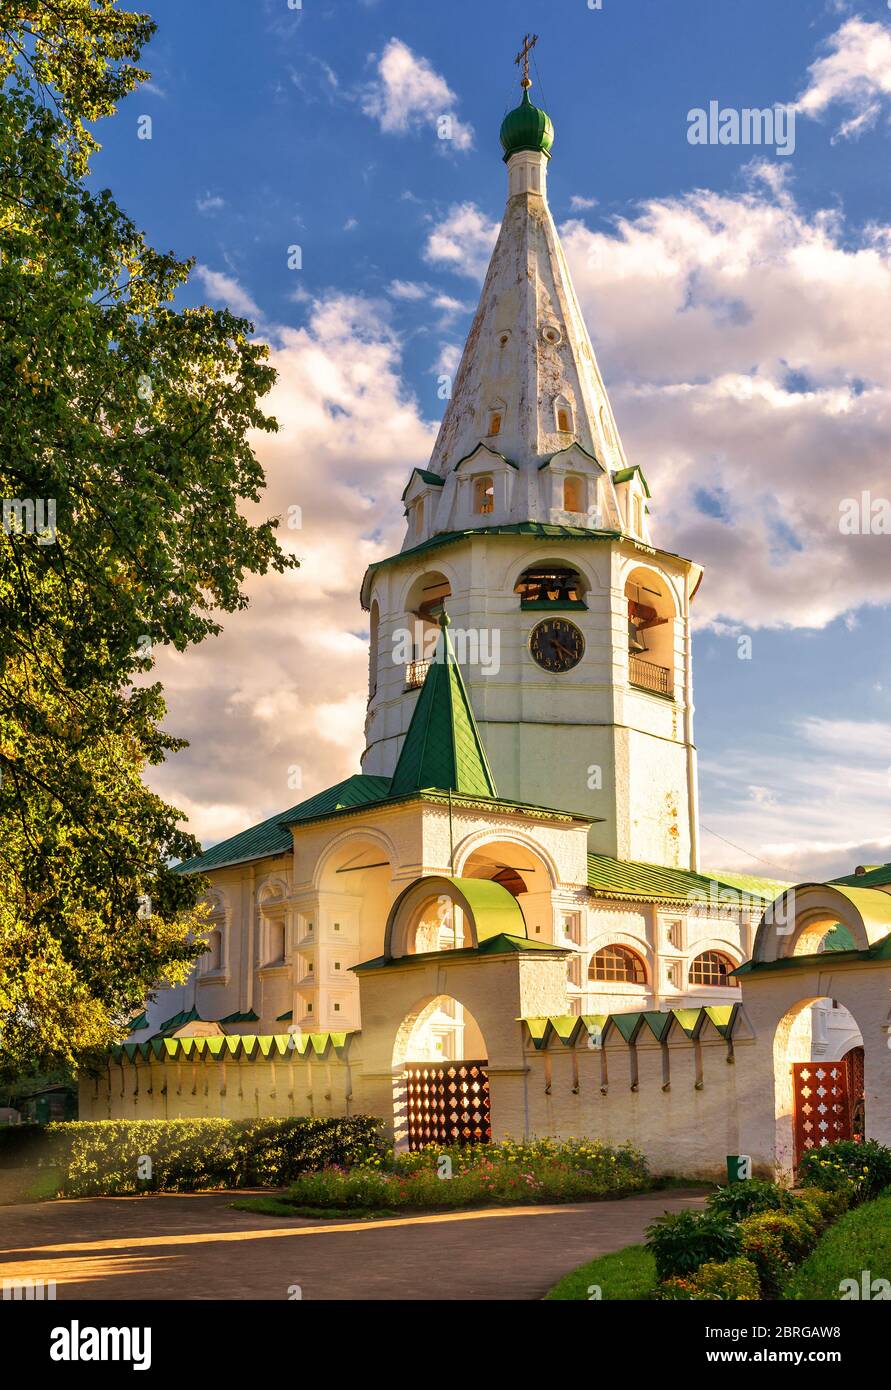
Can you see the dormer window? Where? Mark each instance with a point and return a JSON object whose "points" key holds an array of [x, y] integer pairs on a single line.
{"points": [[563, 416], [483, 494]]}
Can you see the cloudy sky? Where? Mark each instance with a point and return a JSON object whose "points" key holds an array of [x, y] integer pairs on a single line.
{"points": [[739, 300]]}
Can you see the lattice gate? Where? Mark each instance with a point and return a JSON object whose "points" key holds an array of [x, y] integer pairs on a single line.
{"points": [[447, 1103], [822, 1105]]}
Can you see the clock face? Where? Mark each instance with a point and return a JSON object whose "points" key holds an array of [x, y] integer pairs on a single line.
{"points": [[557, 645]]}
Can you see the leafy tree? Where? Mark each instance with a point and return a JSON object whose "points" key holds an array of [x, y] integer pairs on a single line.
{"points": [[126, 421]]}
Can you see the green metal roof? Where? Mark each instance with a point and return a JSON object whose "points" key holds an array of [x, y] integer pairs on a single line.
{"points": [[527, 127], [540, 530], [433, 479], [624, 475], [443, 748], [273, 837], [252, 1046], [244, 1017], [617, 878], [569, 1028], [872, 878], [489, 450], [502, 944], [879, 950]]}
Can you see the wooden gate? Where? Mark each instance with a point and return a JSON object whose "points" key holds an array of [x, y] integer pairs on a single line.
{"points": [[448, 1103], [822, 1106]]}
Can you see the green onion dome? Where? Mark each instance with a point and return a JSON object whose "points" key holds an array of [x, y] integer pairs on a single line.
{"points": [[526, 128]]}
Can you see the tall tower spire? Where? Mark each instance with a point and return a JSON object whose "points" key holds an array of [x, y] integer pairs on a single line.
{"points": [[576, 677], [528, 384]]}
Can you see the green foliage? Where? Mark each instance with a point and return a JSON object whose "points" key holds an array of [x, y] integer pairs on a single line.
{"points": [[796, 1236], [683, 1241], [859, 1241], [824, 1207], [860, 1170], [507, 1174], [731, 1281], [103, 1156], [624, 1276], [743, 1199], [134, 418]]}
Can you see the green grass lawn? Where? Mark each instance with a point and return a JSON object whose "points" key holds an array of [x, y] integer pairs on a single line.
{"points": [[628, 1274], [860, 1240]]}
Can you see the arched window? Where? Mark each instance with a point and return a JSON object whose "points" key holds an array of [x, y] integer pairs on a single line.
{"points": [[616, 964], [551, 584], [711, 968], [275, 942], [483, 494], [573, 495]]}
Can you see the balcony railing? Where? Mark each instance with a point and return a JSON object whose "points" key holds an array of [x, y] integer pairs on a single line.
{"points": [[416, 674], [646, 675]]}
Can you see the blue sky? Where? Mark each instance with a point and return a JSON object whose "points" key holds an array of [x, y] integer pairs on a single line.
{"points": [[738, 301]]}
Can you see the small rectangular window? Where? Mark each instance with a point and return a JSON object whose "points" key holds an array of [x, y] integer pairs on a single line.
{"points": [[337, 1008], [337, 965], [337, 926]]}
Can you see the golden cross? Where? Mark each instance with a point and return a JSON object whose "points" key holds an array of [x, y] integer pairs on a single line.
{"points": [[529, 42]]}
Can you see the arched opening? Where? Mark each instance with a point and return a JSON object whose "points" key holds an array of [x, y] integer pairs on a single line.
{"points": [[484, 493], [423, 604], [553, 584], [711, 969], [617, 965], [818, 1098], [437, 924], [525, 876], [441, 1087], [573, 494], [213, 960], [651, 615]]}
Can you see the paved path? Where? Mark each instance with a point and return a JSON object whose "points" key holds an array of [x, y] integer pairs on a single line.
{"points": [[197, 1247]]}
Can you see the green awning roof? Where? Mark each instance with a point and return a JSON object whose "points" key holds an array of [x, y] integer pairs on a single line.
{"points": [[618, 878]]}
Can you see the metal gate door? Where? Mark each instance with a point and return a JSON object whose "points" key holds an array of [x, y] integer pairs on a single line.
{"points": [[822, 1107], [448, 1103]]}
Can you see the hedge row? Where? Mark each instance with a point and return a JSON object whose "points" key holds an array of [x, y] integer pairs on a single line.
{"points": [[128, 1156]]}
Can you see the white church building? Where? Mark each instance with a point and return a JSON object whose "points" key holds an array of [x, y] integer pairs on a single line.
{"points": [[528, 789]]}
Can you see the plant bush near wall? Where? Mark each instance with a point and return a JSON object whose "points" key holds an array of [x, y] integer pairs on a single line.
{"points": [[861, 1170], [108, 1156], [760, 1229]]}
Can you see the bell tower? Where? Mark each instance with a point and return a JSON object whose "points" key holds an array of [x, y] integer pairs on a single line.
{"points": [[570, 625]]}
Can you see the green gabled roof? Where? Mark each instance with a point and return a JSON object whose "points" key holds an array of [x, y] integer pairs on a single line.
{"points": [[494, 452], [876, 877], [442, 747], [617, 878], [624, 475], [502, 944], [273, 836], [754, 884], [180, 1020], [249, 1017], [432, 479]]}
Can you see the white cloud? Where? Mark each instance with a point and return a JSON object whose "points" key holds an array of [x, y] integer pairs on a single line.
{"points": [[580, 204], [210, 203], [225, 289], [743, 344], [407, 289], [287, 676], [855, 72], [462, 241], [408, 94], [350, 224]]}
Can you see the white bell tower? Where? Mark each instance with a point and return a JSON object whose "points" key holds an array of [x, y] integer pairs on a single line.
{"points": [[572, 629]]}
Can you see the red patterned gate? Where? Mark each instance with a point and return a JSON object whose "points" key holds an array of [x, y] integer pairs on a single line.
{"points": [[448, 1103], [822, 1108]]}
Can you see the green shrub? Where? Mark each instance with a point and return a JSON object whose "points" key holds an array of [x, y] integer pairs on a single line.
{"points": [[742, 1199], [797, 1236], [683, 1241], [732, 1281], [775, 1242], [106, 1156], [509, 1173], [863, 1170], [829, 1205], [677, 1290]]}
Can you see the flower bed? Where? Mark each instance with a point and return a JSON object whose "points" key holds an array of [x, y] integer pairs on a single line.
{"points": [[494, 1174]]}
